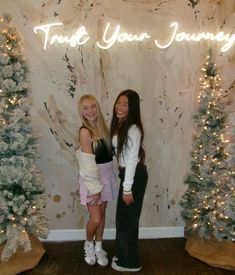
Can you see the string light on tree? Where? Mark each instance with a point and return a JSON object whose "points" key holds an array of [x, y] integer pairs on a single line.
{"points": [[209, 202], [22, 195]]}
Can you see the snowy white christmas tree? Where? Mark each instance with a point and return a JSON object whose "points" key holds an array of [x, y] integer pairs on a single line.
{"points": [[209, 202], [22, 195]]}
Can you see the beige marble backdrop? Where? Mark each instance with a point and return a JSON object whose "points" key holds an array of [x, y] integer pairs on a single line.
{"points": [[166, 79]]}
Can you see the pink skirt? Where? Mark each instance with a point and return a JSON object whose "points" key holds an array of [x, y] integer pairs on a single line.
{"points": [[109, 190]]}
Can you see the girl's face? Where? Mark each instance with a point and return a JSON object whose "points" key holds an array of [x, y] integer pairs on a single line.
{"points": [[89, 110], [121, 107]]}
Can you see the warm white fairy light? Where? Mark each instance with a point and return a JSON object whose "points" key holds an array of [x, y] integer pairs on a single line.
{"points": [[18, 200], [210, 90], [12, 100], [195, 225]]}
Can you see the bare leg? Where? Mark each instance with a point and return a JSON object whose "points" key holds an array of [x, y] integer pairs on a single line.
{"points": [[94, 222], [100, 229]]}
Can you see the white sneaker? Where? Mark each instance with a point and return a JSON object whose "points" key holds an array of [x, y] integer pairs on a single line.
{"points": [[105, 253], [89, 254], [114, 259], [101, 258], [124, 269]]}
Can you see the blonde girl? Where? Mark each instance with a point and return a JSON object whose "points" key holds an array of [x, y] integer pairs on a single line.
{"points": [[96, 176]]}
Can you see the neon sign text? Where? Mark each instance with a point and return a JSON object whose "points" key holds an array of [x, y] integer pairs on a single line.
{"points": [[183, 36], [119, 37], [79, 38], [111, 36]]}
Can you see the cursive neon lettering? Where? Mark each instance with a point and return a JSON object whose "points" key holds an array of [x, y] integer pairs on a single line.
{"points": [[229, 43], [113, 35], [123, 37], [109, 42], [79, 38], [46, 29], [118, 36], [220, 37], [173, 25], [183, 36]]}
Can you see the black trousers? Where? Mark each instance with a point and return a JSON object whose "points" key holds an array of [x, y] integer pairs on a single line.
{"points": [[127, 219]]}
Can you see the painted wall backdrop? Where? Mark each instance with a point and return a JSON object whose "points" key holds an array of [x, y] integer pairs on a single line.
{"points": [[166, 79]]}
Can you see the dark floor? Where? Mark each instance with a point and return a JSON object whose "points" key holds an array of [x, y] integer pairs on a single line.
{"points": [[159, 257]]}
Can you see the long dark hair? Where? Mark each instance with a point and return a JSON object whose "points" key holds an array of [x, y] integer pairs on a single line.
{"points": [[133, 118]]}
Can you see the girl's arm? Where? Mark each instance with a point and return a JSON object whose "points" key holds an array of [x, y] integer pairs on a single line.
{"points": [[87, 165], [131, 157], [85, 140]]}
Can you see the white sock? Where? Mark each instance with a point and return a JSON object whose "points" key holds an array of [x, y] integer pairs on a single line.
{"points": [[89, 243], [98, 245]]}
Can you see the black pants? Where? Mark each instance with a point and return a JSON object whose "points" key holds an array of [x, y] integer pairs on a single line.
{"points": [[127, 219]]}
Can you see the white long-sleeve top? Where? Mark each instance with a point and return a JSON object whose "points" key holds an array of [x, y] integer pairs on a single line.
{"points": [[129, 156]]}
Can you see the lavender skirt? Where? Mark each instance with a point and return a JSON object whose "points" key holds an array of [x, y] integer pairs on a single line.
{"points": [[109, 190]]}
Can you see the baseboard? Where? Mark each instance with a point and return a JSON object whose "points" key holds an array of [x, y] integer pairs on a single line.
{"points": [[109, 233]]}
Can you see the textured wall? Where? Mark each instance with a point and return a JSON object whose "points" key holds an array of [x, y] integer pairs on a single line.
{"points": [[166, 79]]}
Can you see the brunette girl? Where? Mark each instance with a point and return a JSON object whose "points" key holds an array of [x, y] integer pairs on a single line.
{"points": [[127, 138]]}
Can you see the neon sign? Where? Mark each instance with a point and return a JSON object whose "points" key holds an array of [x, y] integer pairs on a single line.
{"points": [[117, 36], [114, 35], [79, 38]]}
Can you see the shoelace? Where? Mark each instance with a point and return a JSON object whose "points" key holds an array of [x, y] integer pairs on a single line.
{"points": [[101, 254], [89, 251], [105, 253]]}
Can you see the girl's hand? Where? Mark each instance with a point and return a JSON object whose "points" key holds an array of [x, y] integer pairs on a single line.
{"points": [[128, 198]]}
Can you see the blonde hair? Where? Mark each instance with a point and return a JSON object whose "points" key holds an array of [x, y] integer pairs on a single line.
{"points": [[100, 123]]}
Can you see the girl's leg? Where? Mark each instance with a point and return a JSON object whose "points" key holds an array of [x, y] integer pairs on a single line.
{"points": [[101, 255], [100, 230], [95, 219], [91, 227], [127, 222]]}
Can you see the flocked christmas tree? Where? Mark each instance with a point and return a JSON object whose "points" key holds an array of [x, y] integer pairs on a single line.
{"points": [[209, 202], [22, 195]]}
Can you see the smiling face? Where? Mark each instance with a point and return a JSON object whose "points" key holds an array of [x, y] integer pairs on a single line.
{"points": [[89, 110], [121, 108]]}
